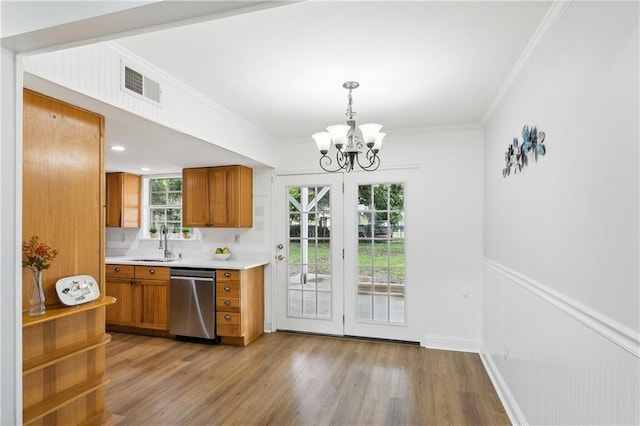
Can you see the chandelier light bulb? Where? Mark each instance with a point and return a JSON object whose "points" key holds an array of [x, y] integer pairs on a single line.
{"points": [[370, 132], [323, 141], [338, 134], [378, 143]]}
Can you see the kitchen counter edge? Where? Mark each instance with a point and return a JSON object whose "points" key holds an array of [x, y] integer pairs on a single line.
{"points": [[189, 263]]}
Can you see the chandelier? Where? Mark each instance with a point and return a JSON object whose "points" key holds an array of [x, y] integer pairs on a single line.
{"points": [[349, 142]]}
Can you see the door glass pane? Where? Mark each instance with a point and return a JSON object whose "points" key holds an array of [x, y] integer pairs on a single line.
{"points": [[309, 247], [381, 284]]}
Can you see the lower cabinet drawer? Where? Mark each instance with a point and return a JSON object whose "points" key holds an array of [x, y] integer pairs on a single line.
{"points": [[228, 324], [232, 330], [230, 304]]}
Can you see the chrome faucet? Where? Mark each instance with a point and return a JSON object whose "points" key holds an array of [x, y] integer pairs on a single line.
{"points": [[164, 243]]}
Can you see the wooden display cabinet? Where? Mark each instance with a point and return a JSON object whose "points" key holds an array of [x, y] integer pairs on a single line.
{"points": [[63, 371]]}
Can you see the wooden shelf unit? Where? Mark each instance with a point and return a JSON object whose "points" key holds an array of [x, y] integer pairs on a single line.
{"points": [[63, 377]]}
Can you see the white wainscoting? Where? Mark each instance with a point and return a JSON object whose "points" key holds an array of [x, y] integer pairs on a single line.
{"points": [[552, 360]]}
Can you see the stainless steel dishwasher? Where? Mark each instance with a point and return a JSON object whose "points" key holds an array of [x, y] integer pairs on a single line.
{"points": [[192, 301]]}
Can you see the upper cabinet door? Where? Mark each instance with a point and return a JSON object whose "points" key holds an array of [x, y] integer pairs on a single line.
{"points": [[195, 198], [123, 200], [231, 196], [114, 199]]}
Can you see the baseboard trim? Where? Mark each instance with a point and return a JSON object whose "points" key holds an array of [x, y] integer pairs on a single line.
{"points": [[603, 325], [450, 344], [509, 403]]}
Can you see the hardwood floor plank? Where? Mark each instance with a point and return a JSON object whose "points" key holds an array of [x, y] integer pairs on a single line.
{"points": [[292, 379]]}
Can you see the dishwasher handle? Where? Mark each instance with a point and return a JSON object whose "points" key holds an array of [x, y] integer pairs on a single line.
{"points": [[174, 277]]}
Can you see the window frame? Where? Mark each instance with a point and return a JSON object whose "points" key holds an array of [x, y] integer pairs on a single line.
{"points": [[147, 206]]}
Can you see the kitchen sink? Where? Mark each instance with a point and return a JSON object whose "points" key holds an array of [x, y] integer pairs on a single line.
{"points": [[160, 259]]}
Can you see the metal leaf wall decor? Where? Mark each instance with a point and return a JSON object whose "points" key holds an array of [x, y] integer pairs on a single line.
{"points": [[517, 156]]}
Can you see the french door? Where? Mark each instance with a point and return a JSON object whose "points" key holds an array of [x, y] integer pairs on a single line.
{"points": [[309, 288], [341, 254]]}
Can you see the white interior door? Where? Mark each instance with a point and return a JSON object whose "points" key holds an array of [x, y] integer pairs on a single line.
{"points": [[309, 266]]}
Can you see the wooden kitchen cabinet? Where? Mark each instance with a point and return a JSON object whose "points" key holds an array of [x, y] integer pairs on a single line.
{"points": [[217, 197], [123, 200], [239, 305], [152, 297], [142, 294], [119, 284]]}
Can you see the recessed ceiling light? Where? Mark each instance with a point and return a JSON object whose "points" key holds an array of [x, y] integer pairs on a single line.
{"points": [[117, 148], [145, 169]]}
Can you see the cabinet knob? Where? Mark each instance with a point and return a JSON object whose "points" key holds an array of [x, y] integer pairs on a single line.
{"points": [[227, 302], [227, 317], [227, 274], [117, 269], [227, 288], [152, 271]]}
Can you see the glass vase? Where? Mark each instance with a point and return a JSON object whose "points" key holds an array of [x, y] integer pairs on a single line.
{"points": [[36, 302]]}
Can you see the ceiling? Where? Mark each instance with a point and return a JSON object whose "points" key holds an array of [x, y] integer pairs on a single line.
{"points": [[420, 65]]}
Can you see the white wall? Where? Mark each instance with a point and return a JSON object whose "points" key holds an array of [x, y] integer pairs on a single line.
{"points": [[561, 282], [449, 211]]}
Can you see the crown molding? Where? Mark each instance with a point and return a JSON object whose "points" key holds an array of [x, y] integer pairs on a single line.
{"points": [[555, 12]]}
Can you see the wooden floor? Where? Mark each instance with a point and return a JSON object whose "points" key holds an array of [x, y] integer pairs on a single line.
{"points": [[292, 379]]}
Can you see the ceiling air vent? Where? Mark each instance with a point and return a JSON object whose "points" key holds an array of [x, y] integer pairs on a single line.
{"points": [[141, 85]]}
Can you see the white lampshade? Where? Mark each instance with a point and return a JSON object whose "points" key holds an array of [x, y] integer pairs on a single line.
{"points": [[370, 132], [338, 134], [378, 144], [323, 141]]}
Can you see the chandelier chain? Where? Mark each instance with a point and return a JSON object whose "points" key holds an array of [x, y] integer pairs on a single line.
{"points": [[350, 112]]}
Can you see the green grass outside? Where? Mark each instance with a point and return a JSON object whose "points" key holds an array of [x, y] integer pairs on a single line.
{"points": [[381, 256]]}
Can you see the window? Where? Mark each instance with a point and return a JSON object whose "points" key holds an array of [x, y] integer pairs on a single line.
{"points": [[164, 208], [309, 285], [381, 246]]}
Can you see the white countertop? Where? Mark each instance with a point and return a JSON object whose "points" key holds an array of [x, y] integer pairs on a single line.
{"points": [[187, 263]]}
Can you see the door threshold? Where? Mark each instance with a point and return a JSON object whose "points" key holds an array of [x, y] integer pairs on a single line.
{"points": [[347, 337]]}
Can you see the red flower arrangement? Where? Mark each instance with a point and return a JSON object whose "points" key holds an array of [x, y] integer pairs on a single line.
{"points": [[37, 256]]}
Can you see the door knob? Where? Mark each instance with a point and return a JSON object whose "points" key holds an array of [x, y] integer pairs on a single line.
{"points": [[280, 257]]}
